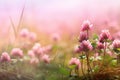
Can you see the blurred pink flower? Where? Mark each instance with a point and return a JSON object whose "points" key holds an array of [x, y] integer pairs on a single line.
{"points": [[17, 52], [100, 45], [83, 36], [40, 52], [48, 48], [55, 37], [75, 61], [104, 36], [85, 46], [96, 55], [36, 47], [110, 53], [34, 61], [76, 49], [45, 49], [46, 58], [24, 33], [5, 57], [25, 45], [86, 26], [31, 54], [32, 36], [116, 44]]}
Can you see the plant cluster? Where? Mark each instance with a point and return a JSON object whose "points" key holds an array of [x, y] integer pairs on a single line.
{"points": [[96, 57]]}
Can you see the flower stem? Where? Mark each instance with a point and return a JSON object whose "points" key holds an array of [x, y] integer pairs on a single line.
{"points": [[87, 34], [89, 67], [104, 49], [118, 59], [82, 67], [87, 56]]}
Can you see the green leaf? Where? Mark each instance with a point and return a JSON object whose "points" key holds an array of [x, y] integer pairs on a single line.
{"points": [[91, 59], [52, 77], [64, 71], [95, 36], [117, 50], [94, 44], [114, 62], [96, 68], [72, 66], [107, 60], [82, 56]]}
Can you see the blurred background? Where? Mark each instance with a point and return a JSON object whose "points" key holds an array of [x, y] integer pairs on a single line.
{"points": [[58, 16]]}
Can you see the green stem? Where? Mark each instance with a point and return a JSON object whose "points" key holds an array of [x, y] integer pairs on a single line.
{"points": [[89, 67], [87, 34], [118, 58], [104, 52], [82, 67], [104, 48], [77, 71], [87, 56]]}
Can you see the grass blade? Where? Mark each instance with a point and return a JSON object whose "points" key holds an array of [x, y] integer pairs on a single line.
{"points": [[21, 16], [13, 26]]}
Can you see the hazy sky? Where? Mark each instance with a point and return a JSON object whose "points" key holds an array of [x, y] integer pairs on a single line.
{"points": [[49, 14]]}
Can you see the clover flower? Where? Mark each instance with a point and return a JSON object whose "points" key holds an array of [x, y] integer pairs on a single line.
{"points": [[5, 57], [116, 44], [85, 46], [34, 61], [45, 58], [31, 54], [83, 36], [74, 61], [105, 35], [100, 45], [86, 26], [24, 33], [17, 52], [32, 36]]}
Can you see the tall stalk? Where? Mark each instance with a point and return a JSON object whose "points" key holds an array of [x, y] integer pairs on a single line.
{"points": [[105, 45], [13, 26], [21, 17], [88, 64], [118, 59], [87, 34], [82, 66], [90, 73]]}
